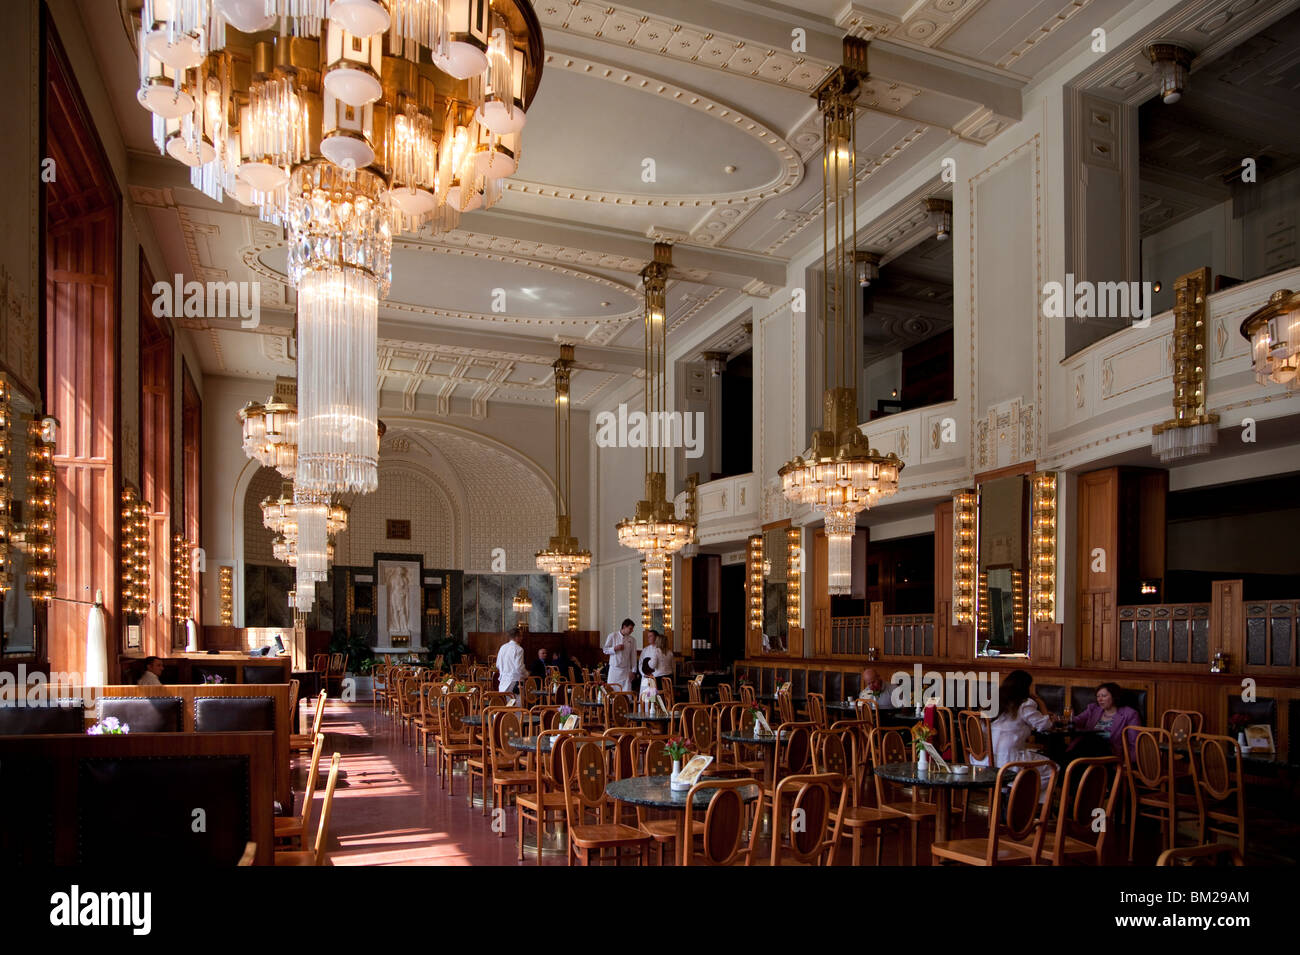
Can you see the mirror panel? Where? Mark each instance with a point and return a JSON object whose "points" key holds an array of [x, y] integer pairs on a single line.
{"points": [[1001, 595], [776, 630]]}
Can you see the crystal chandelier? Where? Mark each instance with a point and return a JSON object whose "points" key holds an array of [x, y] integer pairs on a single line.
{"points": [[656, 531], [342, 124], [841, 475], [297, 519], [1192, 430], [562, 558], [1274, 335]]}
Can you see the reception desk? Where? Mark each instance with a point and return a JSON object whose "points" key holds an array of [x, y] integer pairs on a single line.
{"points": [[231, 667]]}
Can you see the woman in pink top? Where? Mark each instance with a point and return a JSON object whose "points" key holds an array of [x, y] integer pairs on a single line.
{"points": [[1105, 715]]}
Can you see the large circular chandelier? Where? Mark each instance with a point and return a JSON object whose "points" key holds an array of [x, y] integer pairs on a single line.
{"points": [[841, 475], [655, 530], [562, 557], [1274, 335], [344, 122], [270, 434]]}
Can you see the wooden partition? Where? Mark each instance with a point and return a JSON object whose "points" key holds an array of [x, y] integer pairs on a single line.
{"points": [[579, 646], [44, 813], [180, 668], [190, 692]]}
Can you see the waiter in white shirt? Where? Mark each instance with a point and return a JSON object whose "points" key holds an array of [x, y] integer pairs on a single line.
{"points": [[620, 646], [510, 663]]}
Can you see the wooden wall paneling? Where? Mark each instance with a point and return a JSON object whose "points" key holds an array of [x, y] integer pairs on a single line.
{"points": [[819, 590], [943, 580], [685, 598], [191, 488], [1228, 622], [1097, 534], [157, 362]]}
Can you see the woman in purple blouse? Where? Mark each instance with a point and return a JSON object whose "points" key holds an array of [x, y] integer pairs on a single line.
{"points": [[1105, 715]]}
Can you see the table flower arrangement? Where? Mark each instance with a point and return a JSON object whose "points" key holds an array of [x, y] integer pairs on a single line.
{"points": [[921, 734], [759, 719], [109, 726], [677, 748], [212, 678], [1237, 723]]}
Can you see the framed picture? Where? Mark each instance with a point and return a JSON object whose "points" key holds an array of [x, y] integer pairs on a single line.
{"points": [[133, 636], [1259, 738]]}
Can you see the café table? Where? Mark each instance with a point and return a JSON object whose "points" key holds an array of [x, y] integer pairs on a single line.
{"points": [[477, 720], [766, 740], [656, 792], [530, 744], [980, 777], [770, 699]]}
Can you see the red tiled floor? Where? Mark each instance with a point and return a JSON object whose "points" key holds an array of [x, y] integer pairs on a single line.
{"points": [[390, 810]]}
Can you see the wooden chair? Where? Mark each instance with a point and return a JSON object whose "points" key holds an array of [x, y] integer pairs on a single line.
{"points": [[338, 664], [290, 829], [1016, 838], [665, 687], [891, 746], [785, 706], [747, 694], [1220, 788], [408, 704], [722, 830], [812, 799], [661, 828], [250, 853], [304, 742], [858, 746], [830, 757], [1152, 784], [1216, 854], [545, 798], [584, 781], [428, 723], [1089, 784], [725, 694], [455, 741], [546, 716], [618, 704], [316, 855], [975, 731], [530, 693], [1181, 724], [945, 736], [742, 754], [867, 710], [694, 692], [508, 774]]}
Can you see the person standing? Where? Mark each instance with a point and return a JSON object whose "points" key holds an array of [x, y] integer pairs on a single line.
{"points": [[620, 646], [510, 663]]}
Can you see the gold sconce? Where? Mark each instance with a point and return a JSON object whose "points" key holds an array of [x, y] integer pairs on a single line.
{"points": [[792, 576], [668, 595], [39, 522], [645, 596], [1018, 599], [180, 579], [1042, 557], [227, 576], [1193, 429], [573, 604], [984, 623], [963, 558], [135, 553], [755, 583]]}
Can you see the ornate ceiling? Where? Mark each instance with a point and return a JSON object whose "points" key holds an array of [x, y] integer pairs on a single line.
{"points": [[712, 92]]}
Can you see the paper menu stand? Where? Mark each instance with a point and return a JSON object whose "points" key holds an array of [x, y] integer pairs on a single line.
{"points": [[763, 726], [936, 761], [570, 722], [693, 770], [1259, 738]]}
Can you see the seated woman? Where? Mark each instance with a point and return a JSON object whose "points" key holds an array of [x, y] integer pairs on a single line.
{"points": [[1104, 715], [1018, 718]]}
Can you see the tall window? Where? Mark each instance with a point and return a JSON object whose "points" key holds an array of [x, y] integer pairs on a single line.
{"points": [[81, 219]]}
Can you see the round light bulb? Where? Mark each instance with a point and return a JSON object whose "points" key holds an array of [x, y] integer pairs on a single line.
{"points": [[246, 16], [164, 101], [363, 18], [353, 87]]}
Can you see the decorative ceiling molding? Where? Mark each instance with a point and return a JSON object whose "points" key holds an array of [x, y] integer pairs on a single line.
{"points": [[680, 41], [791, 173], [1209, 28]]}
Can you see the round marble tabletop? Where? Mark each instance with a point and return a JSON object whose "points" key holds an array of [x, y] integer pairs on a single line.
{"points": [[980, 777], [657, 793], [656, 717], [591, 702], [767, 739], [529, 743], [477, 720]]}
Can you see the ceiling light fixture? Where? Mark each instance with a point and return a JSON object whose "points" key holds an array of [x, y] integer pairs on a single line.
{"points": [[1193, 430], [1173, 65], [866, 266], [840, 475], [1274, 335], [939, 214], [656, 531], [563, 558]]}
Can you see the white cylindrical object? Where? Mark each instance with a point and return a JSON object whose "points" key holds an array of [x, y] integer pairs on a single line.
{"points": [[96, 643]]}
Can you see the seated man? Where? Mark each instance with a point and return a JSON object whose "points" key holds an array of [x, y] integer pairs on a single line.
{"points": [[873, 687], [152, 674], [537, 666]]}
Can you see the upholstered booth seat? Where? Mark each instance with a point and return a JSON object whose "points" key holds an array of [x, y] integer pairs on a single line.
{"points": [[146, 714], [68, 716], [1053, 696], [233, 714], [263, 674]]}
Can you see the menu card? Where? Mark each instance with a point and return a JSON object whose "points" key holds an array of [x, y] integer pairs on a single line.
{"points": [[692, 771]]}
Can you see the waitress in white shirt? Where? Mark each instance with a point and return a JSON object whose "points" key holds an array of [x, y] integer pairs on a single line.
{"points": [[510, 663], [620, 646]]}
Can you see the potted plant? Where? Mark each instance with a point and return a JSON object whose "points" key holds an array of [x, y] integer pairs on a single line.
{"points": [[677, 749]]}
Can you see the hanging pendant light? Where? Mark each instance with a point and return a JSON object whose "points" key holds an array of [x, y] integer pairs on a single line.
{"points": [[1274, 335], [655, 530], [841, 475], [1193, 430], [563, 558]]}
